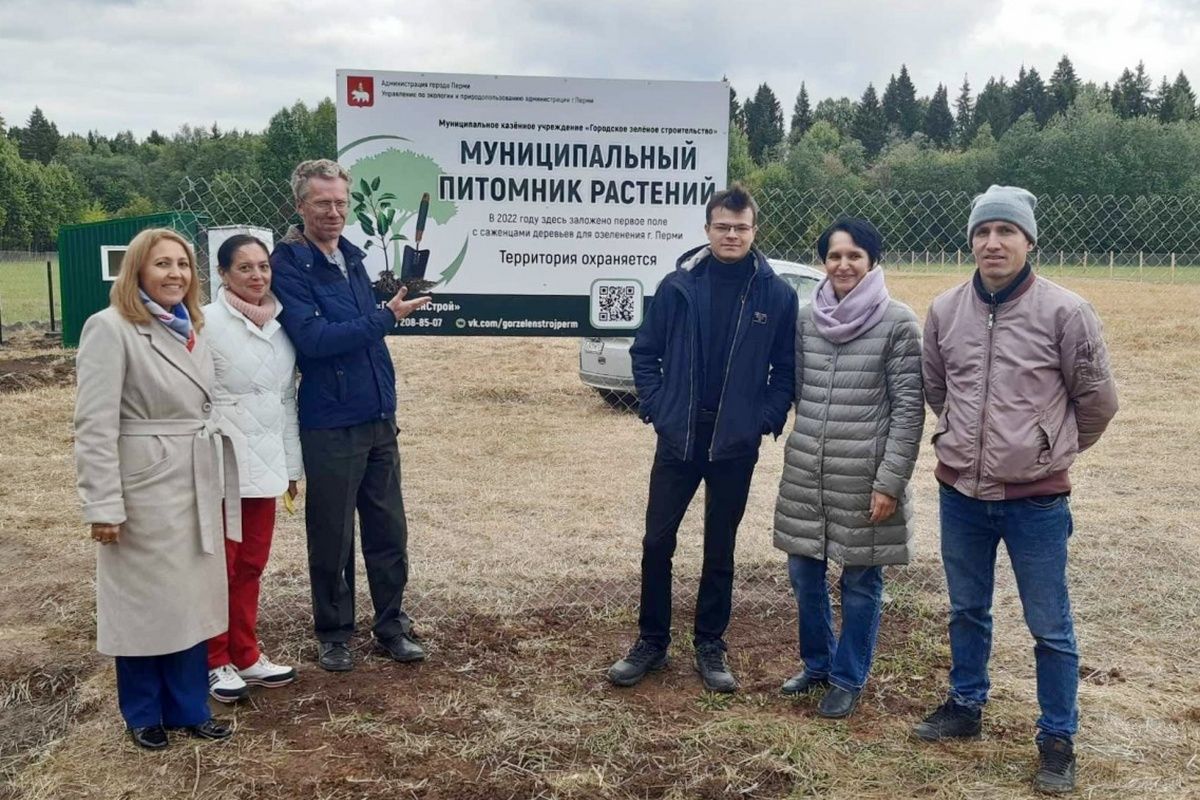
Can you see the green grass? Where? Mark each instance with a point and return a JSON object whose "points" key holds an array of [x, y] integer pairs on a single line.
{"points": [[23, 295]]}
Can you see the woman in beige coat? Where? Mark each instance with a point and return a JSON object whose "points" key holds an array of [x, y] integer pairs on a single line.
{"points": [[148, 456]]}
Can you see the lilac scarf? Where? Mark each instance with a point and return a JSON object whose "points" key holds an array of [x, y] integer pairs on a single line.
{"points": [[861, 308]]}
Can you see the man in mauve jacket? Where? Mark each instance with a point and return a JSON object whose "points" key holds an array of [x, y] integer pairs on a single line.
{"points": [[347, 409], [1016, 370], [714, 366]]}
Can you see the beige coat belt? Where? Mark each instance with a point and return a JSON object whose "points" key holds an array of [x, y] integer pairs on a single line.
{"points": [[208, 447]]}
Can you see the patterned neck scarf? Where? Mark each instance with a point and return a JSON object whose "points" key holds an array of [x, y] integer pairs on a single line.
{"points": [[176, 321]]}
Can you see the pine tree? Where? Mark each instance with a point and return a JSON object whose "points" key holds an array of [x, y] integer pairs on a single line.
{"points": [[870, 126], [802, 118], [764, 123], [890, 103], [1164, 102], [1131, 93], [964, 115], [1184, 98], [737, 118], [1064, 86], [39, 139], [910, 111], [155, 138], [939, 122], [1029, 94], [994, 106]]}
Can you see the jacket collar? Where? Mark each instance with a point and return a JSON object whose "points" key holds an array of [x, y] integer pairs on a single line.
{"points": [[687, 263], [300, 243], [1017, 287], [174, 352]]}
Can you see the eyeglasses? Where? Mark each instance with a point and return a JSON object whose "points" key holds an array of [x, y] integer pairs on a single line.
{"points": [[328, 205], [720, 228]]}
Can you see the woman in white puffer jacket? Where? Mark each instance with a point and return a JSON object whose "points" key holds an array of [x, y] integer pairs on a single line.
{"points": [[255, 395]]}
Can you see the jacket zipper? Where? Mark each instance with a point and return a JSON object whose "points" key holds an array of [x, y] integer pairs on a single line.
{"points": [[987, 388], [729, 361], [821, 454]]}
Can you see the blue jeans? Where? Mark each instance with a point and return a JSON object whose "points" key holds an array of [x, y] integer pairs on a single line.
{"points": [[845, 661], [1035, 532]]}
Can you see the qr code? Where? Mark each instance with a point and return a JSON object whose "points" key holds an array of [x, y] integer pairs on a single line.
{"points": [[616, 303]]}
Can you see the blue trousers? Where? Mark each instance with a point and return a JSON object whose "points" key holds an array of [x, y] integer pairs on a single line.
{"points": [[169, 690], [845, 660], [1035, 532]]}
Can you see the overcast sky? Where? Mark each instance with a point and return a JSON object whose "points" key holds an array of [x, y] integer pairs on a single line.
{"points": [[112, 65]]}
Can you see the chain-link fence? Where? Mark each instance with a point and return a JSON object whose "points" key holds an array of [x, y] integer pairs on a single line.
{"points": [[1149, 239]]}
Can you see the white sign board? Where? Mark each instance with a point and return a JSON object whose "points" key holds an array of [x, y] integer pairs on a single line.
{"points": [[554, 205]]}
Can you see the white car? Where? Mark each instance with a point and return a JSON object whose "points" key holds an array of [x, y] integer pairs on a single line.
{"points": [[604, 362]]}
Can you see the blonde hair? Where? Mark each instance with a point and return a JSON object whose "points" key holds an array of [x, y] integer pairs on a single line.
{"points": [[317, 168], [124, 293]]}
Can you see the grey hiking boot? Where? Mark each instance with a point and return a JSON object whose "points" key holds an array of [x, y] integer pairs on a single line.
{"points": [[643, 657], [802, 683], [1056, 766], [950, 721], [713, 669]]}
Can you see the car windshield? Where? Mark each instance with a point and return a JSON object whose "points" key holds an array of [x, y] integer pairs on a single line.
{"points": [[803, 284]]}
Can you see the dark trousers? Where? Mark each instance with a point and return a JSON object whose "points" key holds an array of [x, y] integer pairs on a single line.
{"points": [[673, 483], [170, 690], [348, 469]]}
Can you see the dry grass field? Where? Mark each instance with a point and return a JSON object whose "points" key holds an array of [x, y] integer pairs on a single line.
{"points": [[525, 494]]}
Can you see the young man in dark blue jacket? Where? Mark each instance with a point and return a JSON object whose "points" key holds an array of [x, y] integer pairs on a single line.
{"points": [[714, 365], [347, 407]]}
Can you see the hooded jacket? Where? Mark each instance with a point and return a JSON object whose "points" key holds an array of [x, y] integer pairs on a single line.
{"points": [[759, 375], [338, 330]]}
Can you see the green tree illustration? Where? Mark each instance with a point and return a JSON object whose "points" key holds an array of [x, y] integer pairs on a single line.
{"points": [[387, 191]]}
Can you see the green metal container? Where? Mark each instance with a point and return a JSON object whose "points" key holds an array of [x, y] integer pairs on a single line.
{"points": [[89, 255]]}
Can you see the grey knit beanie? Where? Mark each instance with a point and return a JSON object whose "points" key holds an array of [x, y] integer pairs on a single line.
{"points": [[1009, 203]]}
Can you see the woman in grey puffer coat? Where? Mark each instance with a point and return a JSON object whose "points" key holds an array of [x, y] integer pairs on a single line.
{"points": [[844, 493]]}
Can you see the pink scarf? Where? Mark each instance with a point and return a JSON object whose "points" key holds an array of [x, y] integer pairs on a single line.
{"points": [[260, 315], [857, 312]]}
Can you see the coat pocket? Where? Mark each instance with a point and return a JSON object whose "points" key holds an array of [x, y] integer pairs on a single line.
{"points": [[150, 461]]}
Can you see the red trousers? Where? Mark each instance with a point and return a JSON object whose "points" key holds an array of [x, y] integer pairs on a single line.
{"points": [[244, 561]]}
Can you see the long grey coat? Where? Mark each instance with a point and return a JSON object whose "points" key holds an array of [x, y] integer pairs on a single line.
{"points": [[148, 454], [859, 414]]}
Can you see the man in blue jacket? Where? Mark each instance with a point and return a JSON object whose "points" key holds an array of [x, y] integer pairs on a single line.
{"points": [[347, 407], [714, 366]]}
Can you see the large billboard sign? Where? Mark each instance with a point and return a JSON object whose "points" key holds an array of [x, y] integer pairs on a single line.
{"points": [[527, 206]]}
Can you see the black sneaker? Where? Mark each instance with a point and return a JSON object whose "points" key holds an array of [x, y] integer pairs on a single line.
{"points": [[1056, 766], [643, 657], [713, 669], [950, 721]]}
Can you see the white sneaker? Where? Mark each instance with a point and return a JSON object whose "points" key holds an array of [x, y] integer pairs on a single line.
{"points": [[225, 685], [264, 673]]}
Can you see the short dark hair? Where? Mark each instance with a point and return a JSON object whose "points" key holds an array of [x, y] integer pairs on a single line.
{"points": [[860, 231], [735, 198], [232, 244]]}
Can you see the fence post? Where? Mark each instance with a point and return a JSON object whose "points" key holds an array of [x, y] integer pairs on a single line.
{"points": [[50, 292], [1085, 255], [1110, 265], [1172, 267], [958, 258], [1141, 263]]}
